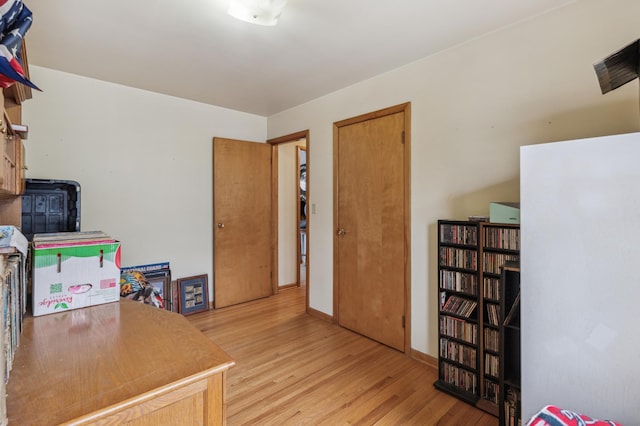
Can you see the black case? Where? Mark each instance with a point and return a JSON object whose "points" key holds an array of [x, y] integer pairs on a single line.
{"points": [[50, 206]]}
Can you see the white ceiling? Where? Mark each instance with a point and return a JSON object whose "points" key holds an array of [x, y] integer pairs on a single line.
{"points": [[192, 49]]}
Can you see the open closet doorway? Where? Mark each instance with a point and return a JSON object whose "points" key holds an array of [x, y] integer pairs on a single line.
{"points": [[290, 171], [302, 212]]}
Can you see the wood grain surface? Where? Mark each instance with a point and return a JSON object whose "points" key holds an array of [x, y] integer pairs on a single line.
{"points": [[295, 369], [121, 357]]}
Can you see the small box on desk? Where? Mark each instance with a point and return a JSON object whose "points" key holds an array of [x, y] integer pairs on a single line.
{"points": [[504, 212], [73, 270]]}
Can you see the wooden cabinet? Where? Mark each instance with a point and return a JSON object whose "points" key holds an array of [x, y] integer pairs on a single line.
{"points": [[12, 175], [10, 158], [471, 255], [12, 150], [118, 363]]}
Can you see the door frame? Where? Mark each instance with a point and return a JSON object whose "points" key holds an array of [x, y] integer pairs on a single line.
{"points": [[303, 134], [406, 109]]}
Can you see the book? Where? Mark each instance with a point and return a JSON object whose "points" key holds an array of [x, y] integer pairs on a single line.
{"points": [[55, 236], [459, 306], [69, 239], [11, 237], [147, 268], [21, 130], [72, 243]]}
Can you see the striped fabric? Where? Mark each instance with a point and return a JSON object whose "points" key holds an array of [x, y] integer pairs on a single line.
{"points": [[554, 416]]}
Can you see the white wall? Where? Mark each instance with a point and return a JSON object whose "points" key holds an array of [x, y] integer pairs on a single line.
{"points": [[579, 280], [288, 234], [144, 162], [473, 106]]}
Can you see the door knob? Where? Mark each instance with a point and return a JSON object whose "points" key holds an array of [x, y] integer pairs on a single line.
{"points": [[221, 225], [341, 232]]}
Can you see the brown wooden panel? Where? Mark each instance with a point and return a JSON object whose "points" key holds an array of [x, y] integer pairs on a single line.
{"points": [[242, 221], [215, 411], [182, 406], [121, 360], [370, 258], [186, 411]]}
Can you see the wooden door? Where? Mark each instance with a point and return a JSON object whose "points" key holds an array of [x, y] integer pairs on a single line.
{"points": [[370, 241], [241, 221]]}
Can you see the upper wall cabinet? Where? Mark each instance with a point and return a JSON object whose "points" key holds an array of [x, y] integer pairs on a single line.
{"points": [[12, 164]]}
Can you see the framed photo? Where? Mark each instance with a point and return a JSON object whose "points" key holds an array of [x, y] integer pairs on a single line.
{"points": [[161, 281], [194, 294]]}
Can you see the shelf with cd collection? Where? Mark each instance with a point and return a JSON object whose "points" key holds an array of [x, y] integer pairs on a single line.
{"points": [[500, 243], [458, 286], [470, 257]]}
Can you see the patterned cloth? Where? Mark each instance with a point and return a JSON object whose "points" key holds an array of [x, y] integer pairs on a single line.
{"points": [[554, 416]]}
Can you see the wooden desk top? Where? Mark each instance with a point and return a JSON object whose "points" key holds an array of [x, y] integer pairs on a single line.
{"points": [[74, 363]]}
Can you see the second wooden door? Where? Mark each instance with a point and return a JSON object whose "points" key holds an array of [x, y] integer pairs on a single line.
{"points": [[370, 232]]}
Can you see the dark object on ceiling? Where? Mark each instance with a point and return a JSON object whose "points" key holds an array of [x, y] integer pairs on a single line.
{"points": [[619, 68]]}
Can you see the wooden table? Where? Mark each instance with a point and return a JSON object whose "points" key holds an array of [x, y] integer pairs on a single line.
{"points": [[118, 363]]}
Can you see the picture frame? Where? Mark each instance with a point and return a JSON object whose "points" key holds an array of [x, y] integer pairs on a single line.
{"points": [[194, 294], [161, 281]]}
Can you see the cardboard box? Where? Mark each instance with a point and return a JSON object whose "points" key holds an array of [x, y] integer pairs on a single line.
{"points": [[504, 212], [74, 275]]}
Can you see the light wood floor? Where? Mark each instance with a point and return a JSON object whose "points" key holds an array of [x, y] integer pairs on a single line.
{"points": [[293, 369]]}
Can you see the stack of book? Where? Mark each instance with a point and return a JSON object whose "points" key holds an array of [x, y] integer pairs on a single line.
{"points": [[69, 239], [13, 306], [459, 306]]}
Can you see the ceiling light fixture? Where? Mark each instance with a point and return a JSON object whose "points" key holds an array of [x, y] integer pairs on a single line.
{"points": [[261, 12]]}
